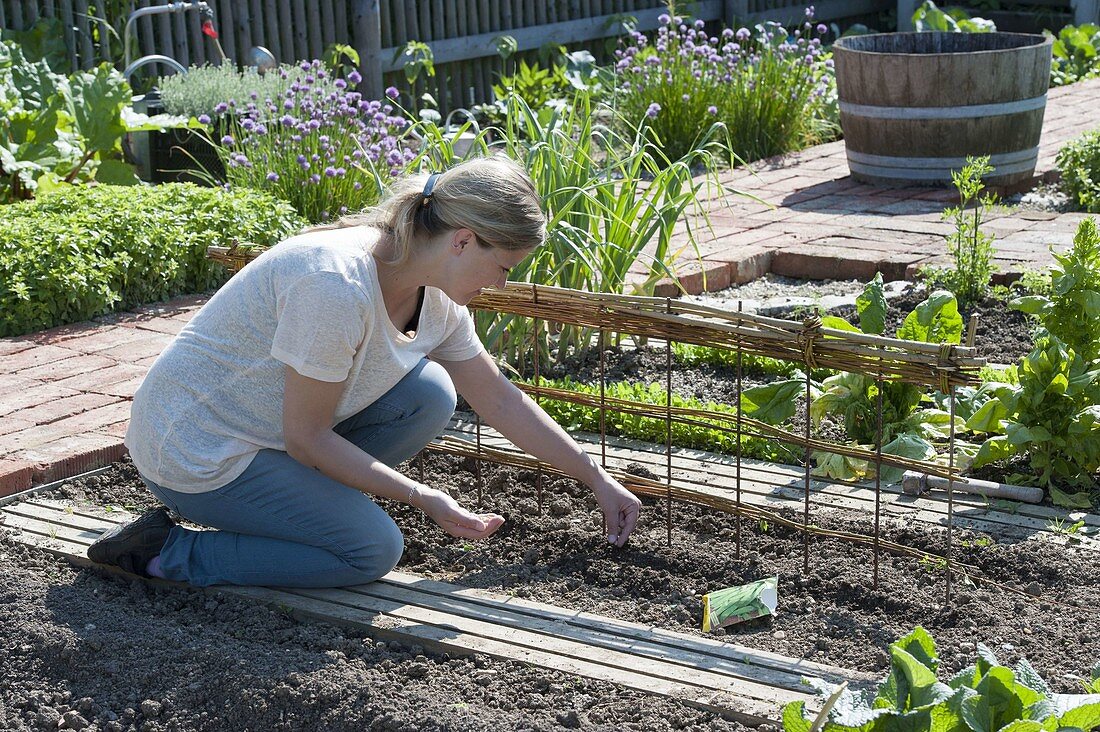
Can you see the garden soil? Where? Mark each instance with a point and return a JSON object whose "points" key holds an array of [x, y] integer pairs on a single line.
{"points": [[94, 650]]}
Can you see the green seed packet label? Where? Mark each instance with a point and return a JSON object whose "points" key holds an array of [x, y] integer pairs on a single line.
{"points": [[738, 604]]}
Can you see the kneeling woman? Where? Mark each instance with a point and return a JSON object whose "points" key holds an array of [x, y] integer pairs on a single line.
{"points": [[282, 408]]}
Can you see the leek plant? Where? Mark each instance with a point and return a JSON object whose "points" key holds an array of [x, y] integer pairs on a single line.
{"points": [[611, 201]]}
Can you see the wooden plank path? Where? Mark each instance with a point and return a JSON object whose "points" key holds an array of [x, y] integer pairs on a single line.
{"points": [[775, 486], [748, 685]]}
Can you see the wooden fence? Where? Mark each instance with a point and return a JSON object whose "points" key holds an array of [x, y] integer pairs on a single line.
{"points": [[461, 33]]}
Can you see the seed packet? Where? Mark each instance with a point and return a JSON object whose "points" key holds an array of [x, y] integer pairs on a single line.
{"points": [[738, 604]]}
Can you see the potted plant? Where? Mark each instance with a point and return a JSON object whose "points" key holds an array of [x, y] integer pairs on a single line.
{"points": [[213, 95]]}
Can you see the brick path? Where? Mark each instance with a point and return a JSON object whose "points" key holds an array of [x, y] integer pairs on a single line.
{"points": [[817, 222], [65, 393]]}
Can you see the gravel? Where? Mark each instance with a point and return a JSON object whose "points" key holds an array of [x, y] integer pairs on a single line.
{"points": [[778, 296], [1047, 197]]}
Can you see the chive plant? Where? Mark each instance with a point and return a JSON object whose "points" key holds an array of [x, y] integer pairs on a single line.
{"points": [[769, 87], [321, 146]]}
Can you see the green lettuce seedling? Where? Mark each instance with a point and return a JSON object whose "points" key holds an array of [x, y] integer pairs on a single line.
{"points": [[984, 697]]}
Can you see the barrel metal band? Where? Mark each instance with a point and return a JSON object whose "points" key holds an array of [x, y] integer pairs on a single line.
{"points": [[961, 112], [887, 166]]}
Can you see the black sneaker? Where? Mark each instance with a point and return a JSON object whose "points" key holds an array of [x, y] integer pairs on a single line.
{"points": [[131, 546]]}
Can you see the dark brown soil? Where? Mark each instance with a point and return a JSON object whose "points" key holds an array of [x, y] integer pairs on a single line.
{"points": [[100, 645], [97, 651]]}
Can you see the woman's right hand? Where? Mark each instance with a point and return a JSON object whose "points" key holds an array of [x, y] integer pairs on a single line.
{"points": [[452, 517]]}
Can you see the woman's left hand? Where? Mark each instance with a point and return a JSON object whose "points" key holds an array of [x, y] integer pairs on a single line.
{"points": [[620, 509]]}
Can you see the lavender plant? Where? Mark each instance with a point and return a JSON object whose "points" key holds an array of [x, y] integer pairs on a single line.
{"points": [[320, 146], [767, 87]]}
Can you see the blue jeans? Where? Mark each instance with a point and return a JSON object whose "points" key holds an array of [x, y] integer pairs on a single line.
{"points": [[284, 524]]}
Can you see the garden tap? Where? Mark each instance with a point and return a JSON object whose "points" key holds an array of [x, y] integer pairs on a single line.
{"points": [[173, 7], [152, 59]]}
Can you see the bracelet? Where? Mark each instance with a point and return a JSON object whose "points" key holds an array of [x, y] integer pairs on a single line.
{"points": [[412, 490]]}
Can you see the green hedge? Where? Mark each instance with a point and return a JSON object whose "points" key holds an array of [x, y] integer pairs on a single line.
{"points": [[86, 251]]}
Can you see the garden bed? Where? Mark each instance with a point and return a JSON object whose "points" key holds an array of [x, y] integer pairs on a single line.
{"points": [[100, 645]]}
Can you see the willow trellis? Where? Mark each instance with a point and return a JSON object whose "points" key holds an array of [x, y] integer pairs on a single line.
{"points": [[808, 342]]}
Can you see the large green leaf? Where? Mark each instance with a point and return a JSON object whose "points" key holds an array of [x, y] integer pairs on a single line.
{"points": [[1028, 676], [993, 449], [1030, 304], [907, 445], [919, 644], [772, 403], [916, 684], [116, 172], [871, 306], [34, 80], [138, 122], [837, 323], [1069, 500], [936, 320], [1085, 716], [95, 104], [996, 704], [1022, 725], [989, 418], [838, 467], [794, 717]]}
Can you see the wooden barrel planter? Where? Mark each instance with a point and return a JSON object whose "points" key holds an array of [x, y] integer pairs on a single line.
{"points": [[913, 106]]}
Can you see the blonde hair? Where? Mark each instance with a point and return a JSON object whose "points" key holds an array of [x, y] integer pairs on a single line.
{"points": [[494, 197]]}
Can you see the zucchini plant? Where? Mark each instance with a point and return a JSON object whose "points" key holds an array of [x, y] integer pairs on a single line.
{"points": [[907, 427]]}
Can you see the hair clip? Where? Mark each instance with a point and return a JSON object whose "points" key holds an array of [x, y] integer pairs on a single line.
{"points": [[428, 188]]}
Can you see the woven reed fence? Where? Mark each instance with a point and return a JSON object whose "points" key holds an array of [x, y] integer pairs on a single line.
{"points": [[943, 367], [461, 33]]}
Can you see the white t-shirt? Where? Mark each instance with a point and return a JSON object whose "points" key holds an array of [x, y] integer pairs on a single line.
{"points": [[214, 397]]}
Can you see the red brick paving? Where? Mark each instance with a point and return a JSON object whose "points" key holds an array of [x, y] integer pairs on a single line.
{"points": [[817, 203], [65, 392]]}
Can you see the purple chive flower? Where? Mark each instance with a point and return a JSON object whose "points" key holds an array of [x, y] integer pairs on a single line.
{"points": [[743, 34], [330, 172], [227, 140], [653, 110], [663, 19], [314, 179], [273, 177], [221, 108], [204, 119], [391, 92], [354, 77], [822, 29], [712, 110], [340, 84]]}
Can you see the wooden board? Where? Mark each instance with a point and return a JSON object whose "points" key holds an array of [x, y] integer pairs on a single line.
{"points": [[745, 684], [775, 486]]}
